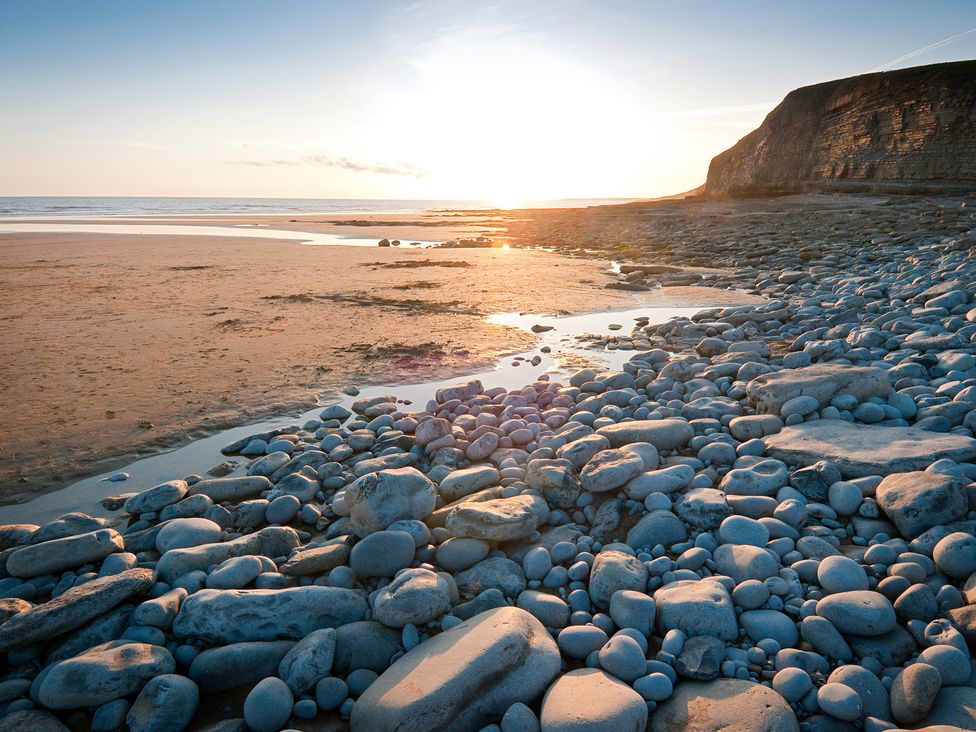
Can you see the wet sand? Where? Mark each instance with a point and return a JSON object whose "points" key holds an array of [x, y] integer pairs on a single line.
{"points": [[118, 346]]}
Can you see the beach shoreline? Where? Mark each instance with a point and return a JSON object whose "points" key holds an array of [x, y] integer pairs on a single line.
{"points": [[250, 327]]}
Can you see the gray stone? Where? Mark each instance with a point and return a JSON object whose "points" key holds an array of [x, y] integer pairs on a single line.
{"points": [[493, 573], [557, 479], [415, 596], [57, 555], [317, 561], [761, 624], [309, 660], [73, 608], [860, 450], [235, 573], [378, 499], [183, 533], [272, 541], [499, 519], [859, 612], [237, 664], [365, 645], [742, 562], [230, 489], [166, 704], [822, 382], [703, 508], [268, 705], [954, 707], [700, 658], [917, 501], [613, 571], [463, 482], [664, 434], [101, 674], [589, 700], [913, 693], [31, 720], [700, 607], [463, 678], [460, 553], [873, 693], [610, 469], [729, 705], [156, 499], [657, 527], [382, 554], [841, 574], [233, 616]]}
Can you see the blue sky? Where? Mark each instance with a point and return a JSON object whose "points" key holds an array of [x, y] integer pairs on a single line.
{"points": [[503, 100]]}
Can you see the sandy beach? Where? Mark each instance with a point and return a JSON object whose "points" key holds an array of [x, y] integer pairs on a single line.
{"points": [[118, 346]]}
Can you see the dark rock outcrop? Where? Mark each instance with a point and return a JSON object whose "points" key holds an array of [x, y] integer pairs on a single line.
{"points": [[911, 130]]}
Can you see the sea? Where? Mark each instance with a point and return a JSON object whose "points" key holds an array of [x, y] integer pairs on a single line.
{"points": [[43, 206]]}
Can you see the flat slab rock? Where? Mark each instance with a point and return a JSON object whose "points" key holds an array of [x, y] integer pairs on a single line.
{"points": [[823, 382], [859, 450]]}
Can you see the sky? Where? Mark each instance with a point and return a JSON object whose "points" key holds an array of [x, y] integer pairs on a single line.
{"points": [[491, 100]]}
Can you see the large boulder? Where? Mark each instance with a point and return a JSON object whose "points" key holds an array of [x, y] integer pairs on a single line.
{"points": [[73, 608], [57, 555], [499, 519], [860, 450], [729, 705], [590, 700], [464, 678], [101, 674], [701, 607], [378, 499], [233, 616], [769, 392], [612, 571], [271, 541], [919, 500]]}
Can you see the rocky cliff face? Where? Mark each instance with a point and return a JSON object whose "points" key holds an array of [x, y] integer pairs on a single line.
{"points": [[911, 130]]}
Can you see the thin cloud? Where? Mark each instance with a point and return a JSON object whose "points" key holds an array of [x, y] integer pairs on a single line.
{"points": [[329, 161], [924, 49]]}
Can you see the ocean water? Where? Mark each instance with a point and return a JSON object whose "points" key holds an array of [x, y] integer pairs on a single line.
{"points": [[41, 206]]}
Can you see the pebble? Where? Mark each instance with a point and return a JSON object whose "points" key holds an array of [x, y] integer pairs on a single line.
{"points": [[623, 657], [840, 574], [839, 701], [268, 705], [913, 692]]}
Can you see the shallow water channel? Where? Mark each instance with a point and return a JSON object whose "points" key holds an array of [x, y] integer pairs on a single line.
{"points": [[512, 372]]}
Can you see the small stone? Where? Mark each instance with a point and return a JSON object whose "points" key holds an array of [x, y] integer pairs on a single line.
{"points": [[382, 554], [913, 692], [841, 574], [839, 701], [623, 658], [166, 704], [859, 612], [268, 706]]}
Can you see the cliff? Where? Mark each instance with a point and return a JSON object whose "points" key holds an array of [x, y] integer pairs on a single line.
{"points": [[911, 130]]}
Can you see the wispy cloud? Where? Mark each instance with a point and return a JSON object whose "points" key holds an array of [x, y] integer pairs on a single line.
{"points": [[330, 161], [924, 49]]}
